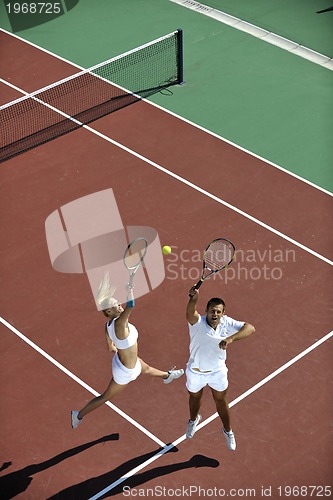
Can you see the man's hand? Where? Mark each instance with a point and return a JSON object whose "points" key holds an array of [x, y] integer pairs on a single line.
{"points": [[246, 330], [224, 343], [193, 292]]}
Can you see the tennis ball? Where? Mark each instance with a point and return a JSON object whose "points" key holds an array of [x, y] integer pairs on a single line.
{"points": [[166, 250]]}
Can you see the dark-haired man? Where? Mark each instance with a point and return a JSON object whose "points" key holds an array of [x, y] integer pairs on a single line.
{"points": [[210, 336]]}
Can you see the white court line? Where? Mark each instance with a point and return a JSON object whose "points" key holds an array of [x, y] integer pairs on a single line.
{"points": [[213, 134], [80, 382], [250, 391], [257, 32], [212, 417], [210, 195], [187, 183]]}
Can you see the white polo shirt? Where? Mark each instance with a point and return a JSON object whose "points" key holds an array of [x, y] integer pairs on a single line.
{"points": [[205, 353]]}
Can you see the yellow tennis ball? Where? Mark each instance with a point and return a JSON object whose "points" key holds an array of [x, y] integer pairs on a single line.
{"points": [[166, 250]]}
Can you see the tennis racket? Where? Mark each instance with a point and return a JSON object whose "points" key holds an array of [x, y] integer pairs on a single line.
{"points": [[133, 257], [218, 255]]}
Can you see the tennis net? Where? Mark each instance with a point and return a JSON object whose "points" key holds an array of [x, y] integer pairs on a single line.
{"points": [[90, 94]]}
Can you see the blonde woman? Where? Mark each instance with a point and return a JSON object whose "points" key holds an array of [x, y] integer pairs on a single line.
{"points": [[121, 339]]}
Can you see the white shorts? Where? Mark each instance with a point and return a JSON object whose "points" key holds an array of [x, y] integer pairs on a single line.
{"points": [[122, 375], [218, 380]]}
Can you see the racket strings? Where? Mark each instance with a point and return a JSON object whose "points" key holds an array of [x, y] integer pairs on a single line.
{"points": [[218, 255]]}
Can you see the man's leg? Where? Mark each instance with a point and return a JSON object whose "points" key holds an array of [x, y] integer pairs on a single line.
{"points": [[195, 403], [222, 407]]}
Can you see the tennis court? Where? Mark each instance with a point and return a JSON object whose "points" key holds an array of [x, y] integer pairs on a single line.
{"points": [[191, 186]]}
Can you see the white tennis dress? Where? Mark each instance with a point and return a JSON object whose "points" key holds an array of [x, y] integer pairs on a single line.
{"points": [[121, 374]]}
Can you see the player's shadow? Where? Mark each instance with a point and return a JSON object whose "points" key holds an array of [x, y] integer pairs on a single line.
{"points": [[17, 482], [92, 486], [195, 462]]}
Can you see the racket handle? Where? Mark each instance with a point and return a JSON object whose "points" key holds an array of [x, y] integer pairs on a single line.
{"points": [[198, 285], [130, 283], [130, 296]]}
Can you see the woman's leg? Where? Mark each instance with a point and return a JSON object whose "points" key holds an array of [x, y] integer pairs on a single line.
{"points": [[112, 390], [153, 372]]}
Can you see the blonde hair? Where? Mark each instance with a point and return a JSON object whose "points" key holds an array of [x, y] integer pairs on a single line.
{"points": [[104, 298]]}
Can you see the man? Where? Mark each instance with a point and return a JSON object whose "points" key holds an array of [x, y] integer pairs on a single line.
{"points": [[210, 336], [122, 339]]}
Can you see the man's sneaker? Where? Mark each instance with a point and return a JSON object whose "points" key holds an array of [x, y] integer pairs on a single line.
{"points": [[230, 438], [75, 419], [172, 375], [192, 427]]}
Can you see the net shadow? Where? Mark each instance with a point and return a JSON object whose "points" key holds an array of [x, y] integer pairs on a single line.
{"points": [[89, 95]]}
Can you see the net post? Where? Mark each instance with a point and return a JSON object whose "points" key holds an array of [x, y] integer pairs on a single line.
{"points": [[180, 57]]}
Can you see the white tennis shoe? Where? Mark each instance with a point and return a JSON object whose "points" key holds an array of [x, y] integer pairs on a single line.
{"points": [[172, 375], [230, 438], [192, 427], [75, 420]]}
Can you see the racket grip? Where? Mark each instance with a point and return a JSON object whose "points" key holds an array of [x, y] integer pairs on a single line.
{"points": [[198, 285], [130, 298]]}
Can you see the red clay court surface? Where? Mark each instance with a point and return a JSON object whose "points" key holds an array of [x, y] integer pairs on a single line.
{"points": [[209, 189]]}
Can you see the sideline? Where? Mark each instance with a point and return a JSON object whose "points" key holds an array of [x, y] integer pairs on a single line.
{"points": [[185, 181], [213, 134], [257, 32]]}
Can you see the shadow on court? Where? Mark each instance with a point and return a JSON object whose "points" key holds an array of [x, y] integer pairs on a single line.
{"points": [[325, 10], [17, 482], [92, 486]]}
